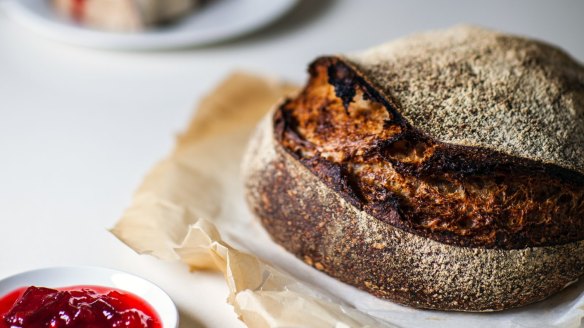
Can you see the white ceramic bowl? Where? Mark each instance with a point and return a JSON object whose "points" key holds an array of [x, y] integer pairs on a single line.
{"points": [[79, 275]]}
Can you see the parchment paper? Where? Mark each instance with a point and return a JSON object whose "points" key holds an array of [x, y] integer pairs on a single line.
{"points": [[191, 207]]}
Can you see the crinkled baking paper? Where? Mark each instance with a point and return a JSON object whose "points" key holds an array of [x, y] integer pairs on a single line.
{"points": [[190, 207]]}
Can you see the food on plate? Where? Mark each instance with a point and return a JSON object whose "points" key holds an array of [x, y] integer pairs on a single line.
{"points": [[442, 171], [76, 306], [124, 15]]}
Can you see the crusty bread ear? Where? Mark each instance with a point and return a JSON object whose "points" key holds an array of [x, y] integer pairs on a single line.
{"points": [[320, 227]]}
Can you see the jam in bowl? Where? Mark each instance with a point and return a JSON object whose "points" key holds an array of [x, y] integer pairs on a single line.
{"points": [[72, 297]]}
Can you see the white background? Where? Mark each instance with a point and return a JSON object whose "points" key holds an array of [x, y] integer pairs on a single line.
{"points": [[79, 128]]}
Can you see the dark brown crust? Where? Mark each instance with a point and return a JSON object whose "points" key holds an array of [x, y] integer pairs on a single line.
{"points": [[549, 209], [320, 227]]}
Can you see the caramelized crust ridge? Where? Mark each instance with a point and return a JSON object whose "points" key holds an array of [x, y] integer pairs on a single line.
{"points": [[354, 139]]}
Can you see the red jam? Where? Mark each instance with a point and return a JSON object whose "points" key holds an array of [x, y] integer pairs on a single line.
{"points": [[75, 307]]}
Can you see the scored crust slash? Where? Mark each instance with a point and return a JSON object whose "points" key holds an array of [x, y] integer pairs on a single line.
{"points": [[441, 171]]}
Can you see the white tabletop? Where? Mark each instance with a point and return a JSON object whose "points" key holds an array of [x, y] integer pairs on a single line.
{"points": [[79, 127]]}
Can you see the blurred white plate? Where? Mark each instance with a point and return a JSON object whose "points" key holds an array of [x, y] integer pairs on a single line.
{"points": [[79, 275], [218, 20]]}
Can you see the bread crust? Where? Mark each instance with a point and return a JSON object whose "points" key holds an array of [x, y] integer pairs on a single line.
{"points": [[443, 171], [472, 86], [354, 138], [319, 226]]}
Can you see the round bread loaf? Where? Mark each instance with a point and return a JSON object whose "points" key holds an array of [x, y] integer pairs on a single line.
{"points": [[441, 171]]}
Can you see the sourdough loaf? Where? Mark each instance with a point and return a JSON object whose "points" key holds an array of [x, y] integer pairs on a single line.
{"points": [[441, 171]]}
